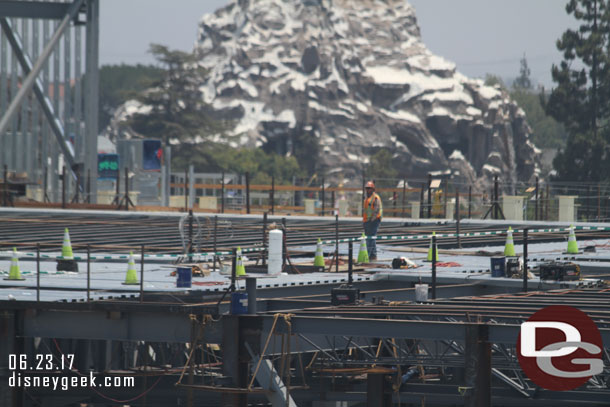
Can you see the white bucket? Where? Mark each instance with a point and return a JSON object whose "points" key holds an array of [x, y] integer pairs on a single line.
{"points": [[421, 292], [274, 262]]}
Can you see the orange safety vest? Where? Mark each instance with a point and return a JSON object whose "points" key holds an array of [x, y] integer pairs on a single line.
{"points": [[367, 212]]}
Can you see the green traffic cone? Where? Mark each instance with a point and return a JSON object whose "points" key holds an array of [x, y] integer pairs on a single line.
{"points": [[66, 248], [509, 247], [318, 260], [430, 250], [572, 245], [363, 254], [240, 270], [14, 272], [132, 276]]}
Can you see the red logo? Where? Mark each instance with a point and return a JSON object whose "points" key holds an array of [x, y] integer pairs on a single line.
{"points": [[560, 348]]}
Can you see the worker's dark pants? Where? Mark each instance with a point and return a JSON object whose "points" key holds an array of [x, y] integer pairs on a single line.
{"points": [[370, 230]]}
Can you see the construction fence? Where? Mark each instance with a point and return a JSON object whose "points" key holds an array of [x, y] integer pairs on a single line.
{"points": [[438, 198]]}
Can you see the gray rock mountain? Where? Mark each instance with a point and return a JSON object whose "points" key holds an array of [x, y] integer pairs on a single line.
{"points": [[356, 76]]}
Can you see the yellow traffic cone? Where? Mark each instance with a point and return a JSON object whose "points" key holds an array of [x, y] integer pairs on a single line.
{"points": [[363, 254], [509, 247], [430, 250], [66, 248], [572, 245], [132, 275], [318, 260], [240, 270], [14, 272]]}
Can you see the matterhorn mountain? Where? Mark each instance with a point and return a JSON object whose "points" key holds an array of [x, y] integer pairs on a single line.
{"points": [[355, 76]]}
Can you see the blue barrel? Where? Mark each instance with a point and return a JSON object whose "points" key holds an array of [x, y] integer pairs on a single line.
{"points": [[239, 303], [185, 276], [498, 266]]}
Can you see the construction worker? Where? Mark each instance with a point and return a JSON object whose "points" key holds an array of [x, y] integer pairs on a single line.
{"points": [[372, 212]]}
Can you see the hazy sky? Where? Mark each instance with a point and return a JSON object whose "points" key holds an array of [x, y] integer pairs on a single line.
{"points": [[480, 36]]}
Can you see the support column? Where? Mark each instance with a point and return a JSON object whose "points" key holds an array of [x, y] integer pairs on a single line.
{"points": [[378, 391], [10, 343], [232, 366], [92, 93], [477, 354]]}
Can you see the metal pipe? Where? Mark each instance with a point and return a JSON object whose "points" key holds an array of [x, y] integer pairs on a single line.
{"points": [[433, 267], [525, 259], [251, 291]]}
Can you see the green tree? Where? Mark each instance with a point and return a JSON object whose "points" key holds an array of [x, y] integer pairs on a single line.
{"points": [[177, 108], [576, 101], [493, 80], [523, 80], [580, 99], [381, 166], [546, 131], [119, 83]]}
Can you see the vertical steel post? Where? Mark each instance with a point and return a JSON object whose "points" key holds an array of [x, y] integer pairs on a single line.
{"points": [[272, 195], [117, 193], [323, 197], [88, 273], [332, 201], [88, 191], [496, 198], [337, 243], [126, 188], [233, 268], [469, 201], [38, 272], [458, 215], [92, 91], [598, 202], [477, 362], [421, 200], [63, 187], [222, 193], [429, 196], [251, 291], [264, 259], [186, 189], [433, 267], [350, 262], [548, 201], [404, 192], [284, 243], [536, 217], [247, 192], [525, 260], [215, 240], [190, 245], [445, 194], [142, 273], [5, 187]]}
